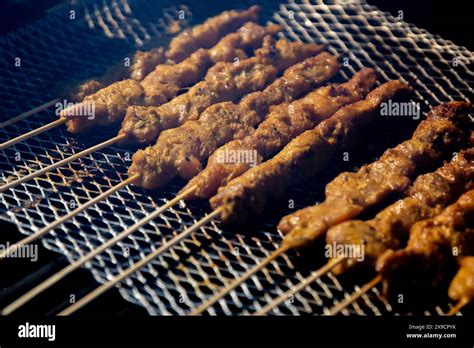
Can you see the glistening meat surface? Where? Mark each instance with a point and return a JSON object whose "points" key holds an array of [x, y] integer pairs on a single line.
{"points": [[143, 62], [165, 81], [349, 194], [223, 82], [432, 249], [208, 33], [389, 229]]}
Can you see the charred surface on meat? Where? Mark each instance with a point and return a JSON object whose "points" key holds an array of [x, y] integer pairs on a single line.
{"points": [[303, 157], [187, 42], [225, 81]]}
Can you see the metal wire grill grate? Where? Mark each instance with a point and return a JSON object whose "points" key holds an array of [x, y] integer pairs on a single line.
{"points": [[196, 268]]}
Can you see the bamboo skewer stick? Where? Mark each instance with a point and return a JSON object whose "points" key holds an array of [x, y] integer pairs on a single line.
{"points": [[41, 232], [200, 309], [300, 286], [457, 307]]}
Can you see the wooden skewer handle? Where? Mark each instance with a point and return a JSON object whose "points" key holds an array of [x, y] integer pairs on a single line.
{"points": [[61, 163], [28, 113]]}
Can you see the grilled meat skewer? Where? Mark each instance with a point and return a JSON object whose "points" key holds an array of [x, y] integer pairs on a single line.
{"points": [[204, 35], [349, 194], [223, 82], [462, 286], [303, 157], [164, 82], [179, 151], [432, 248], [426, 198], [283, 124]]}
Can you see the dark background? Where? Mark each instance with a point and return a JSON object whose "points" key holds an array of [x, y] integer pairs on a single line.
{"points": [[451, 20]]}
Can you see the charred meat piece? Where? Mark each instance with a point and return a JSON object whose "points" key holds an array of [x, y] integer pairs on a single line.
{"points": [[428, 196], [208, 33], [164, 82], [303, 157], [179, 151], [349, 194], [283, 124], [143, 62], [225, 81], [432, 248], [462, 286]]}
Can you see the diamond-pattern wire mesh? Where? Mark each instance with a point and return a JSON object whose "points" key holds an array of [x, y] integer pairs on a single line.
{"points": [[197, 267]]}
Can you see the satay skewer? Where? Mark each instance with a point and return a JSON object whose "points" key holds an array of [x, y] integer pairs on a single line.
{"points": [[297, 80], [180, 151], [456, 284], [287, 88], [429, 194], [142, 63], [201, 36]]}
